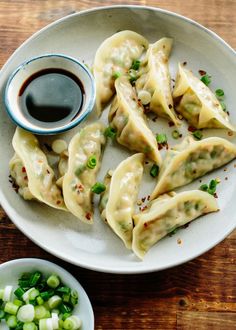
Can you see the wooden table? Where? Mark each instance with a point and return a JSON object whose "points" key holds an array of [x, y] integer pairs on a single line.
{"points": [[200, 294]]}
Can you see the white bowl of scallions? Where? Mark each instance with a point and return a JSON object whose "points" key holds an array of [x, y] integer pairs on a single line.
{"points": [[36, 294]]}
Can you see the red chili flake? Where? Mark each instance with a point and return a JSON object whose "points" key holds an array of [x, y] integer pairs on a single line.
{"points": [[145, 225], [200, 181], [227, 113], [80, 187], [180, 135], [185, 63], [148, 198], [146, 163], [48, 171], [173, 80], [191, 129], [215, 195], [202, 72], [140, 209], [170, 123], [226, 178], [225, 169], [25, 177], [144, 208], [23, 169], [140, 103], [88, 216], [160, 146], [230, 133], [58, 202], [170, 106], [143, 199]]}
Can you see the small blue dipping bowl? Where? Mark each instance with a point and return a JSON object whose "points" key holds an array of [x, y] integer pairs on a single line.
{"points": [[32, 68]]}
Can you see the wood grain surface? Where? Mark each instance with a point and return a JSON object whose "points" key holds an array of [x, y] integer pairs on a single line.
{"points": [[200, 294]]}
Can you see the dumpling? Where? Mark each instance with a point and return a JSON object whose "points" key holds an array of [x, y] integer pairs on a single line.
{"points": [[167, 213], [80, 176], [115, 56], [127, 118], [196, 102], [191, 160], [41, 180], [117, 203], [155, 79]]}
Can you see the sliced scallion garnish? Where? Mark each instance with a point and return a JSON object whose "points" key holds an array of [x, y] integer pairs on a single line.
{"points": [[98, 188]]}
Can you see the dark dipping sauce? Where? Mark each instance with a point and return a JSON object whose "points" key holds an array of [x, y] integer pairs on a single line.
{"points": [[51, 97]]}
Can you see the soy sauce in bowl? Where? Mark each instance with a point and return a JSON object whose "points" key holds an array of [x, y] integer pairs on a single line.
{"points": [[51, 96]]}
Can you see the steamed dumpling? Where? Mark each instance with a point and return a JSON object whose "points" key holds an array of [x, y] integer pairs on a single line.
{"points": [[191, 160], [79, 177], [196, 102], [155, 79], [40, 182], [127, 118], [117, 203], [115, 56], [167, 213]]}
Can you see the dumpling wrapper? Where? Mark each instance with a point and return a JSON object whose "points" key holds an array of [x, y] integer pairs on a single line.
{"points": [[40, 176], [115, 55], [19, 175], [191, 160], [79, 178], [127, 117], [117, 203], [197, 104], [155, 79], [167, 213]]}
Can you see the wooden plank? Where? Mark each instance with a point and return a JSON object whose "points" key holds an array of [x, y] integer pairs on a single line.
{"points": [[203, 321]]}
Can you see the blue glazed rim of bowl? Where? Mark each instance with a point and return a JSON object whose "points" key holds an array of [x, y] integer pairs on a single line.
{"points": [[65, 128]]}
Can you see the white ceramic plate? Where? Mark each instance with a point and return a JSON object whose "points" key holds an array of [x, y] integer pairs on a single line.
{"points": [[96, 247], [11, 271]]}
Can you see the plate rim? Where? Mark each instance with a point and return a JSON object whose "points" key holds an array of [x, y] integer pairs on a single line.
{"points": [[10, 211]]}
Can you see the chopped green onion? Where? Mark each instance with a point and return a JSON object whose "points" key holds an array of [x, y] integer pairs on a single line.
{"points": [[72, 323], [24, 284], [12, 321], [66, 297], [63, 289], [33, 294], [54, 301], [26, 313], [204, 187], [110, 132], [19, 292], [53, 281], [65, 316], [219, 92], [1, 293], [211, 189], [18, 302], [175, 134], [135, 65], [197, 135], [116, 75], [92, 162], [29, 326], [223, 106], [206, 79], [74, 297], [161, 138], [2, 314], [98, 188], [39, 300], [19, 325], [10, 308], [132, 75], [7, 293], [40, 312], [35, 278], [64, 308], [46, 324], [154, 170]]}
